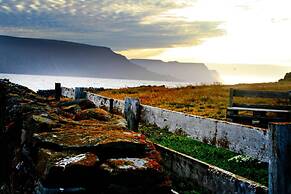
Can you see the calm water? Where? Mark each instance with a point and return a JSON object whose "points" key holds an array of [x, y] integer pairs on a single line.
{"points": [[38, 82]]}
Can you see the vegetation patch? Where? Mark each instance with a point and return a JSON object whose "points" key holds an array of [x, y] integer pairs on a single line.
{"points": [[209, 100], [238, 164]]}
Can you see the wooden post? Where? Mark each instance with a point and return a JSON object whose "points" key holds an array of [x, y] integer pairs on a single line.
{"points": [[80, 93], [230, 101], [132, 111], [2, 107], [111, 105], [280, 160], [58, 91]]}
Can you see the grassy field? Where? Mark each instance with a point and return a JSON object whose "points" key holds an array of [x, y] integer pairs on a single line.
{"points": [[222, 158], [208, 101]]}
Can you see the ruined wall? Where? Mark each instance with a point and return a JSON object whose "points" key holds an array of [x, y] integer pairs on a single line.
{"points": [[71, 146], [196, 172]]}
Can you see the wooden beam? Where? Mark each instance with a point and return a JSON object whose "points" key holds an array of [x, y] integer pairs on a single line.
{"points": [[58, 91], [111, 105], [260, 94], [266, 106], [230, 101], [280, 161]]}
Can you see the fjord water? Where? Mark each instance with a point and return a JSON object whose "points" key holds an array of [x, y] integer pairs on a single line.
{"points": [[40, 82]]}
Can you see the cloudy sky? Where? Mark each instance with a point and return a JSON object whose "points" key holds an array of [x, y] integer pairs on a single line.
{"points": [[210, 31]]}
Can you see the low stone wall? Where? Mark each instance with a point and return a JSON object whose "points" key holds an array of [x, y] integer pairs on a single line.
{"points": [[211, 178]]}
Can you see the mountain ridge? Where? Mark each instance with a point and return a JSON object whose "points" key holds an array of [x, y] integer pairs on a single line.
{"points": [[63, 58], [54, 57], [189, 72]]}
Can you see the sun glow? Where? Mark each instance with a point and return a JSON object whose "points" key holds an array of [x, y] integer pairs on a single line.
{"points": [[256, 32]]}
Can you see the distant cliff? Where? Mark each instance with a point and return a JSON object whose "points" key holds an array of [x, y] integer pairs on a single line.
{"points": [[189, 72], [52, 57], [287, 77]]}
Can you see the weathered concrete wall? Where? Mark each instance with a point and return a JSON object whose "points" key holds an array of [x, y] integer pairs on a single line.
{"points": [[104, 102], [99, 101], [211, 178], [68, 92], [242, 139]]}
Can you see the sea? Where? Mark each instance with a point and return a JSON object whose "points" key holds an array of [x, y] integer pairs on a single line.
{"points": [[43, 82]]}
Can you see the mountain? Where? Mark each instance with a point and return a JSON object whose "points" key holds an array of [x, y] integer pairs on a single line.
{"points": [[189, 72], [53, 57], [286, 78]]}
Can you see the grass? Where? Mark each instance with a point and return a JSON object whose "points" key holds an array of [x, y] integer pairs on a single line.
{"points": [[222, 158], [208, 101]]}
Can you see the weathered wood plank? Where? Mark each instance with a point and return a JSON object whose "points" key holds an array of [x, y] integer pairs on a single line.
{"points": [[261, 94], [266, 106], [279, 165], [258, 109]]}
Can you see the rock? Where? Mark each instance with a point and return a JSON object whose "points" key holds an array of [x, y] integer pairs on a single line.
{"points": [[42, 123], [134, 175], [93, 113], [71, 146], [106, 143], [66, 169], [83, 103], [73, 109]]}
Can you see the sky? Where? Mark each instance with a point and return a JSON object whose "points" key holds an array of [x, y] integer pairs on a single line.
{"points": [[245, 32]]}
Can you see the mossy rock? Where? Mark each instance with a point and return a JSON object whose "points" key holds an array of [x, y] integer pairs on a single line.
{"points": [[73, 109], [83, 103], [93, 113], [41, 123]]}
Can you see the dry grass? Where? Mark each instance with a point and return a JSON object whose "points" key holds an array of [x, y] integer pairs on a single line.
{"points": [[208, 101]]}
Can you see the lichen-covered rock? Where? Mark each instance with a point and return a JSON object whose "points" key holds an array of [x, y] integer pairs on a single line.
{"points": [[106, 143], [93, 113], [66, 169], [136, 175], [72, 147], [83, 103], [44, 123]]}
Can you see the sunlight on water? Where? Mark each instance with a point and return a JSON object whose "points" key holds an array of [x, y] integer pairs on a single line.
{"points": [[39, 82]]}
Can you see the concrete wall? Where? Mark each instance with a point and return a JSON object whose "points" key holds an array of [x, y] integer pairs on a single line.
{"points": [[104, 102], [68, 92], [211, 178], [241, 139], [238, 138]]}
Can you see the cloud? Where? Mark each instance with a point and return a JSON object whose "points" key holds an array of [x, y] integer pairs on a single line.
{"points": [[123, 24]]}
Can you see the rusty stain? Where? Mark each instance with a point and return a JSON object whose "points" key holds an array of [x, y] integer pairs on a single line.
{"points": [[223, 142]]}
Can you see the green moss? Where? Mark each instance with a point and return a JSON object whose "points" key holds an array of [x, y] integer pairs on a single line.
{"points": [[222, 158]]}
